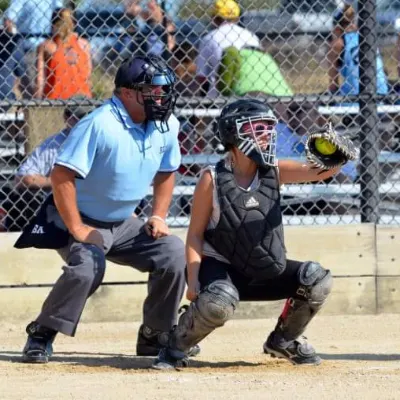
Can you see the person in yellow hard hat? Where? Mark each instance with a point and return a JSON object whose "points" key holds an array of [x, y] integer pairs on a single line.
{"points": [[227, 33], [226, 9]]}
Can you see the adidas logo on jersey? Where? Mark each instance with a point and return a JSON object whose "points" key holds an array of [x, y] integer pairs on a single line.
{"points": [[251, 203], [38, 230]]}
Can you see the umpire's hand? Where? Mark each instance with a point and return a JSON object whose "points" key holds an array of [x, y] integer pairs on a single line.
{"points": [[88, 234], [156, 227]]}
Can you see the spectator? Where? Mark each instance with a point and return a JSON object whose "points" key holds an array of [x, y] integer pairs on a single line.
{"points": [[226, 34], [64, 61], [250, 70], [190, 136], [145, 34], [130, 40], [32, 19], [172, 7], [183, 64], [32, 181], [155, 29], [11, 57], [343, 56]]}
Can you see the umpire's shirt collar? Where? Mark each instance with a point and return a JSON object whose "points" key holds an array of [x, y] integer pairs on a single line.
{"points": [[122, 114]]}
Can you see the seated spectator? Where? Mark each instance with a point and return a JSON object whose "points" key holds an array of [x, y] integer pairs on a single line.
{"points": [[154, 30], [226, 34], [190, 143], [64, 61], [250, 70], [288, 143], [144, 35], [344, 59], [11, 68], [32, 20], [32, 181], [183, 64]]}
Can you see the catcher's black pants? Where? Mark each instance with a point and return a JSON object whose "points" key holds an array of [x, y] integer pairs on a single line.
{"points": [[281, 287], [125, 243]]}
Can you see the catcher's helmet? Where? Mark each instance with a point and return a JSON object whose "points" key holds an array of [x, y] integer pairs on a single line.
{"points": [[242, 123], [142, 73]]}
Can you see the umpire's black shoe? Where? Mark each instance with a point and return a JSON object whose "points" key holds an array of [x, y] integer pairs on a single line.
{"points": [[170, 359], [151, 341], [39, 346], [296, 352]]}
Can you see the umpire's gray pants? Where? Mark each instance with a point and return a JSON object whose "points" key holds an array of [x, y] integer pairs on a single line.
{"points": [[125, 243]]}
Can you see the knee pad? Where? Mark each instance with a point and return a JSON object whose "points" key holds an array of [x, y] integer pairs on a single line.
{"points": [[217, 302], [315, 283], [214, 306]]}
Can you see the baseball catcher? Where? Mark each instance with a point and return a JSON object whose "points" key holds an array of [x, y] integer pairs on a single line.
{"points": [[235, 245]]}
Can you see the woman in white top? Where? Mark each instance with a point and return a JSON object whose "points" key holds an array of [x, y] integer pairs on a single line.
{"points": [[235, 246]]}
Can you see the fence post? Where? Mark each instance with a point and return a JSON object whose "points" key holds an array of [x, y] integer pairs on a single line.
{"points": [[368, 119], [164, 38]]}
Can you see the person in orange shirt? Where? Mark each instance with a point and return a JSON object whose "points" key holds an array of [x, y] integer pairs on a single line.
{"points": [[64, 61]]}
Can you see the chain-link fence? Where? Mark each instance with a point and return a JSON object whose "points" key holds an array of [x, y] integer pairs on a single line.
{"points": [[311, 61]]}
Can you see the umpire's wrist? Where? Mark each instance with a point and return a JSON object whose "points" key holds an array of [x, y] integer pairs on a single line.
{"points": [[158, 218], [75, 228]]}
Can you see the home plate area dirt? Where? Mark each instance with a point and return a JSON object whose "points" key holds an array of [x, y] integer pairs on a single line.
{"points": [[361, 360]]}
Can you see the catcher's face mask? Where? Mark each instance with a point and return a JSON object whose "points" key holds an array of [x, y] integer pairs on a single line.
{"points": [[257, 139]]}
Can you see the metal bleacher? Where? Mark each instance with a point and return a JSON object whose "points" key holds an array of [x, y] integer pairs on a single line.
{"points": [[297, 192], [12, 150]]}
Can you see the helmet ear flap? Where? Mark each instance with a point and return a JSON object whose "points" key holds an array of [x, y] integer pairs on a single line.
{"points": [[226, 128]]}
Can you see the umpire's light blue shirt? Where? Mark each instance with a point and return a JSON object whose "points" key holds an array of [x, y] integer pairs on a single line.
{"points": [[117, 160]]}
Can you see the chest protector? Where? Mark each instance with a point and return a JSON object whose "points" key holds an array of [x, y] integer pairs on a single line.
{"points": [[250, 232]]}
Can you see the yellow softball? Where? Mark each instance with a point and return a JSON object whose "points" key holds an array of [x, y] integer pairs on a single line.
{"points": [[324, 147]]}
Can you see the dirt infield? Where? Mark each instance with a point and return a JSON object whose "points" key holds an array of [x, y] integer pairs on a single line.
{"points": [[361, 361]]}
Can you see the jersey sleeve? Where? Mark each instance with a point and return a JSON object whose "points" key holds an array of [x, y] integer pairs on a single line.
{"points": [[79, 149]]}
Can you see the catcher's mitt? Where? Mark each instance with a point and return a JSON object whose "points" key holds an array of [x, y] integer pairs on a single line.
{"points": [[325, 149]]}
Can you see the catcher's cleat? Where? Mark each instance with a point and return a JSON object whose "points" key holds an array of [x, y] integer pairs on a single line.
{"points": [[296, 352], [151, 341], [39, 346], [170, 359]]}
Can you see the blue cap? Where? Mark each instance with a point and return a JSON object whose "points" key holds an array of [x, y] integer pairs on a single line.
{"points": [[150, 70]]}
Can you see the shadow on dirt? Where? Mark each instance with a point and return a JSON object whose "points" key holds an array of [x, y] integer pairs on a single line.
{"points": [[361, 357], [120, 361]]}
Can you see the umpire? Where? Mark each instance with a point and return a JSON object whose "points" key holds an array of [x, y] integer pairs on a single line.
{"points": [[104, 168]]}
